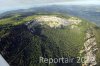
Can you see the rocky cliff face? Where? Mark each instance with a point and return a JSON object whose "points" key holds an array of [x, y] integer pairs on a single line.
{"points": [[90, 48], [53, 21]]}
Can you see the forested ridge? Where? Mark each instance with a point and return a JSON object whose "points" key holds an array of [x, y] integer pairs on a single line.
{"points": [[22, 47]]}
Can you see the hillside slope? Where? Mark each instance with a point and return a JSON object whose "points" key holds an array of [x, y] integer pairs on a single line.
{"points": [[24, 39]]}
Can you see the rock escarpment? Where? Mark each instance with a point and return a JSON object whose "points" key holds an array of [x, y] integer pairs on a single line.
{"points": [[53, 21], [90, 49]]}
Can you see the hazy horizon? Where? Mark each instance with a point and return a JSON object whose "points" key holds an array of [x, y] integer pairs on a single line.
{"points": [[7, 5]]}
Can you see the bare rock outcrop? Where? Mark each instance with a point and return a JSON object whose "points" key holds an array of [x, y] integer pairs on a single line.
{"points": [[90, 46]]}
